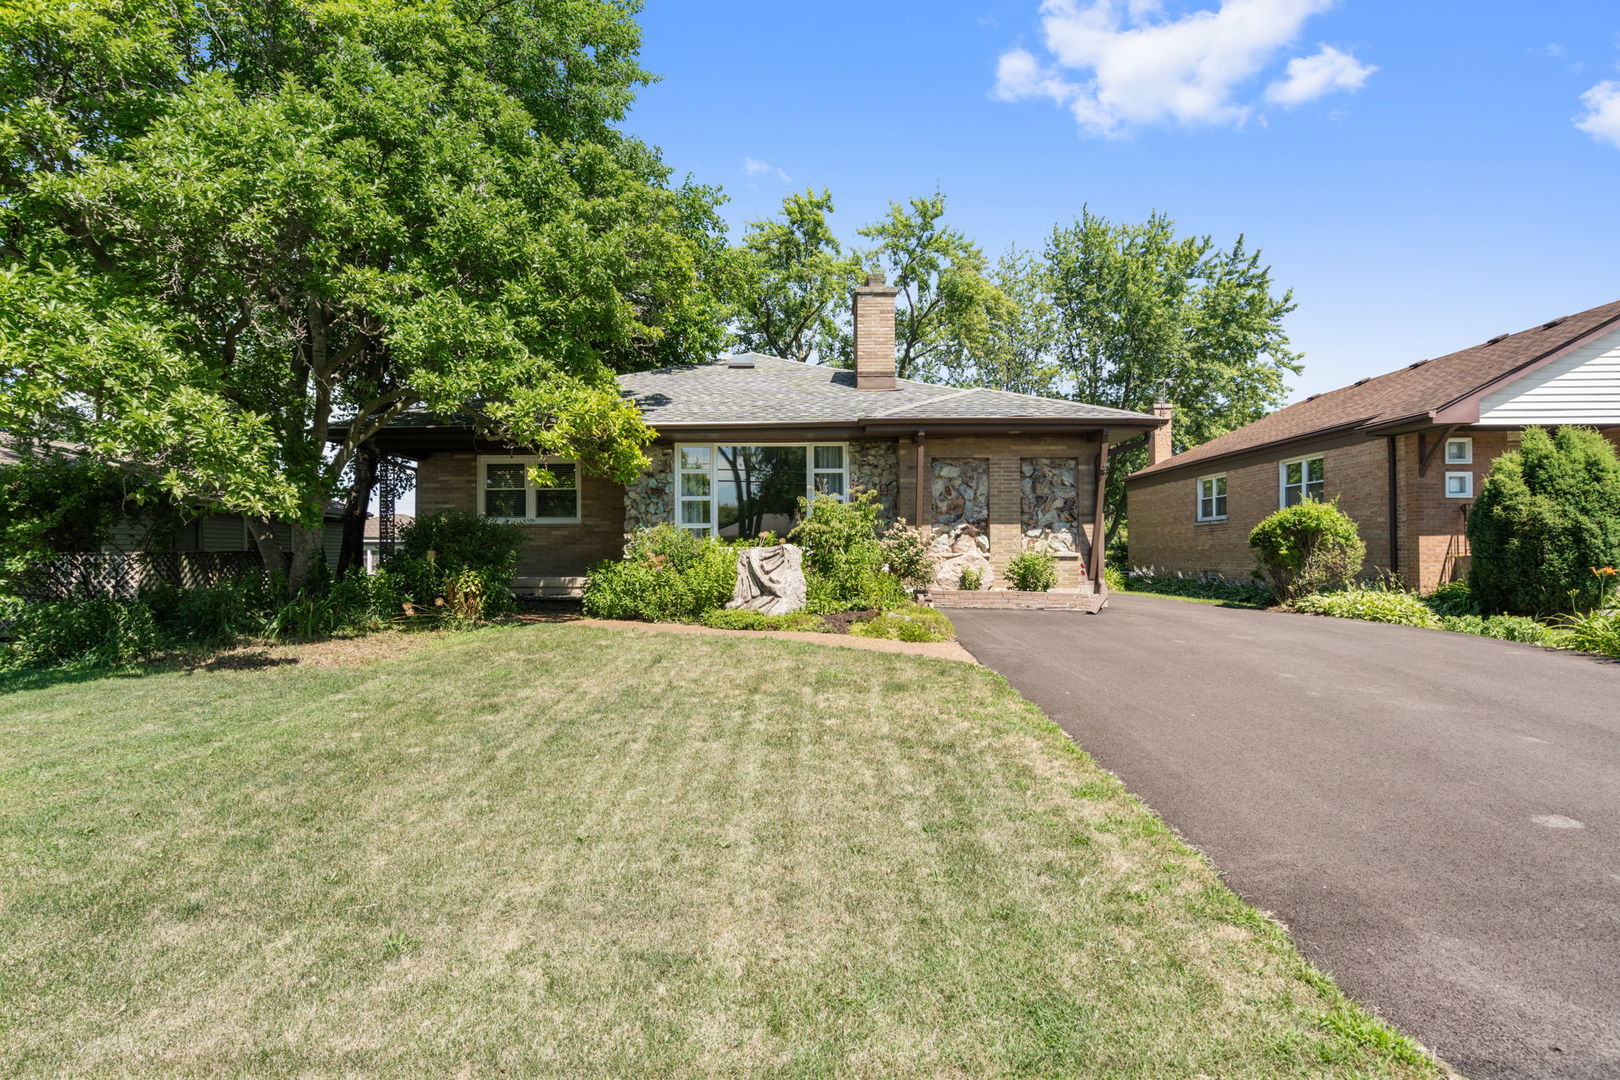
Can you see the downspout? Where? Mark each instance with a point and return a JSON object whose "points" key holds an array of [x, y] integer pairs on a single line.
{"points": [[1394, 507]]}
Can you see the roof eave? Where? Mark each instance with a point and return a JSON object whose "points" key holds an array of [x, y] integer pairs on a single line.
{"points": [[1174, 465]]}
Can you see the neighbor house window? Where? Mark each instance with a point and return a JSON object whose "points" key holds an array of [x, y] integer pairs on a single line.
{"points": [[507, 490], [1212, 498], [1459, 451], [1301, 479], [740, 491], [1459, 485]]}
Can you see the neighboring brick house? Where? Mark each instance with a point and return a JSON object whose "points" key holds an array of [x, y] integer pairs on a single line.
{"points": [[740, 439], [1404, 453]]}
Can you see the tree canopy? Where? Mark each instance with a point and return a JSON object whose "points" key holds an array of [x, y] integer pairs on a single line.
{"points": [[229, 228], [793, 281]]}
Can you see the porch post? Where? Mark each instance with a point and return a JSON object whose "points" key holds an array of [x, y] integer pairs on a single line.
{"points": [[1098, 535], [922, 483]]}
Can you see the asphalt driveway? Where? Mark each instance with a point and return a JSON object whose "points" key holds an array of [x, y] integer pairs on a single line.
{"points": [[1435, 817]]}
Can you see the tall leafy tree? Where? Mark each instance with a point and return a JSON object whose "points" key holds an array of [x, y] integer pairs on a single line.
{"points": [[793, 280], [946, 300], [231, 229], [1019, 350], [1144, 314]]}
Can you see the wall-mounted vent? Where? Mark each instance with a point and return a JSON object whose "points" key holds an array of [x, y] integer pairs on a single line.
{"points": [[1498, 337], [740, 360]]}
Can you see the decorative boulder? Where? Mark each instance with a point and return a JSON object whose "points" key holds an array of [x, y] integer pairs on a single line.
{"points": [[948, 568], [770, 580]]}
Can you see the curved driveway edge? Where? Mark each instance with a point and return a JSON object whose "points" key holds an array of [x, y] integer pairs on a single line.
{"points": [[1435, 817]]}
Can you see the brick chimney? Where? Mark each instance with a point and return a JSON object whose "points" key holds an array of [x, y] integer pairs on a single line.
{"points": [[1159, 444], [874, 335]]}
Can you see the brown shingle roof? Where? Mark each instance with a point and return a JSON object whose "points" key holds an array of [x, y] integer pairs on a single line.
{"points": [[1412, 392]]}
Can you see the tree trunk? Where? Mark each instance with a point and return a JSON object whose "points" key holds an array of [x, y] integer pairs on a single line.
{"points": [[264, 538], [306, 548], [356, 508]]}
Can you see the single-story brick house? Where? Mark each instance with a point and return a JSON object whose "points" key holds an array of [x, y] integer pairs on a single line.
{"points": [[741, 438], [1404, 453]]}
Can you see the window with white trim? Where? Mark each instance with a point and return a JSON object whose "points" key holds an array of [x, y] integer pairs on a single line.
{"points": [[1301, 479], [1212, 498], [744, 490], [1460, 451], [1460, 485], [507, 490]]}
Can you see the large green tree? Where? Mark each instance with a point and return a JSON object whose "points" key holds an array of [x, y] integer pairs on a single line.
{"points": [[947, 301], [793, 281], [232, 228], [1144, 314]]}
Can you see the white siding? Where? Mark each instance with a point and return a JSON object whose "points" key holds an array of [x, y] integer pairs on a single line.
{"points": [[1582, 387]]}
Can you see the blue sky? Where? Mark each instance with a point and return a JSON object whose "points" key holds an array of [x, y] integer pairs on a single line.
{"points": [[1414, 170]]}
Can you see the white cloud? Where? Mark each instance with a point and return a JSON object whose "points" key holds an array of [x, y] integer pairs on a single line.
{"points": [[1602, 119], [756, 167], [1311, 77], [1120, 63]]}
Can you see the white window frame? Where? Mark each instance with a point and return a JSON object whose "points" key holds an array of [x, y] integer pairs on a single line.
{"points": [[1468, 451], [713, 448], [1304, 464], [1468, 486], [1198, 491], [529, 462]]}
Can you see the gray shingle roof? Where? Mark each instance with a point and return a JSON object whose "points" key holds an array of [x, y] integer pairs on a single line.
{"points": [[773, 390]]}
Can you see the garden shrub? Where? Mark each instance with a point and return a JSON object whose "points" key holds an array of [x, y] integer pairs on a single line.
{"points": [[1200, 587], [723, 619], [667, 575], [843, 555], [1520, 628], [1032, 570], [913, 622], [970, 581], [1595, 631], [1370, 605], [908, 556], [82, 633], [448, 559], [1452, 598], [1546, 516], [1307, 548]]}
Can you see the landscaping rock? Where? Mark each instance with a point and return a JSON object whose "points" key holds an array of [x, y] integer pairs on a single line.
{"points": [[948, 567], [770, 580]]}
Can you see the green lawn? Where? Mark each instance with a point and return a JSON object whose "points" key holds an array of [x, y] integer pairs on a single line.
{"points": [[569, 851]]}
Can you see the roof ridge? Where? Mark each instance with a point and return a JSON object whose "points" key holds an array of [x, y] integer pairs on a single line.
{"points": [[950, 392]]}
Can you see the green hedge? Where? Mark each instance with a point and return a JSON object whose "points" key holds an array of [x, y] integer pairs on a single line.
{"points": [[1370, 605]]}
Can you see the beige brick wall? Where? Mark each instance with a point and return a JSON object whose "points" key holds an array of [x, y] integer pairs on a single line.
{"points": [[1433, 544], [1162, 511], [1005, 454], [449, 481]]}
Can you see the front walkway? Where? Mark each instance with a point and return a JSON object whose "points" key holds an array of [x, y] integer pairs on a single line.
{"points": [[1436, 817]]}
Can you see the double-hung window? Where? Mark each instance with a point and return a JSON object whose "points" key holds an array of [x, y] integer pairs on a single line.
{"points": [[744, 490], [507, 490], [1301, 479], [1212, 498]]}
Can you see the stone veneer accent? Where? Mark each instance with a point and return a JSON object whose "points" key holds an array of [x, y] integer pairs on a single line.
{"points": [[1048, 487], [874, 465], [649, 498]]}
